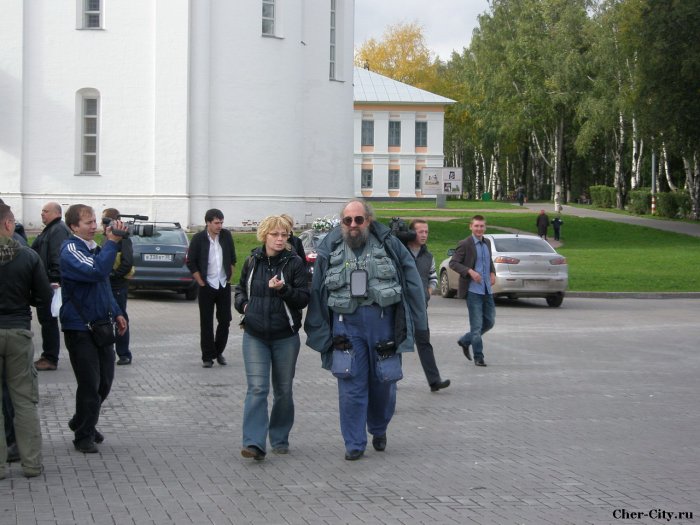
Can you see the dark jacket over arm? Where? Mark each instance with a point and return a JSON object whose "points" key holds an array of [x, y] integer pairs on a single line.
{"points": [[48, 245]]}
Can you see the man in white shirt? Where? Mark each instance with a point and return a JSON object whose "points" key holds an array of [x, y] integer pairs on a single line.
{"points": [[211, 258]]}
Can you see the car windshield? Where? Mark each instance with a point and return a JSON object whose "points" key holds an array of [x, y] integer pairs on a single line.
{"points": [[522, 245], [311, 241], [162, 237]]}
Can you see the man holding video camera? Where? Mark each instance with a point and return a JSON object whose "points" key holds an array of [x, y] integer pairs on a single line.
{"points": [[88, 314], [366, 301], [121, 271]]}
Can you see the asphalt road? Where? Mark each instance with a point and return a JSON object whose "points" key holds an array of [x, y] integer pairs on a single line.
{"points": [[587, 413]]}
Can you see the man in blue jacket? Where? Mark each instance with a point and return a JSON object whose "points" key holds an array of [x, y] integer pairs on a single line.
{"points": [[367, 300], [87, 297]]}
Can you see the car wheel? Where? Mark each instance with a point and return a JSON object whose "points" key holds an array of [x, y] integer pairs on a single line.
{"points": [[191, 293], [445, 290], [555, 300]]}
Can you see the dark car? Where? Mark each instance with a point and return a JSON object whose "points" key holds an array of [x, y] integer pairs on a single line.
{"points": [[311, 239], [159, 259]]}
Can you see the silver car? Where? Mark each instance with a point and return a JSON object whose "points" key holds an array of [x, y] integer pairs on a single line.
{"points": [[526, 266]]}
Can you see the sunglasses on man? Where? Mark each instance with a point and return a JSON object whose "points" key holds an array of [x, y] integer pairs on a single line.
{"points": [[359, 220]]}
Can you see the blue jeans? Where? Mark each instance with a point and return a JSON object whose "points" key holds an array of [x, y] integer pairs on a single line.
{"points": [[482, 317], [365, 403], [262, 357], [122, 341]]}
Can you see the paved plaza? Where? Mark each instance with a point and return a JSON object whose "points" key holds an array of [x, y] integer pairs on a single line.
{"points": [[587, 413]]}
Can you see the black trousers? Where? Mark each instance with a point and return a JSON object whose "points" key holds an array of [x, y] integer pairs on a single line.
{"points": [[213, 345], [93, 367], [50, 334], [427, 356]]}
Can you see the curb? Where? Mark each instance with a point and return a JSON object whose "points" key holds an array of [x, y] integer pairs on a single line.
{"points": [[634, 295]]}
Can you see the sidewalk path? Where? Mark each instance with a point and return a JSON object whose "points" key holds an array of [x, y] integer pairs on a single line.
{"points": [[583, 410]]}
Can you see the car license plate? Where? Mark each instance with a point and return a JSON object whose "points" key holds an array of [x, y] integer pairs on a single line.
{"points": [[158, 257]]}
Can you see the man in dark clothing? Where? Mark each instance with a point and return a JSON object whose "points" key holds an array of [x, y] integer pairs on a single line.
{"points": [[556, 225], [425, 263], [121, 271], [48, 246], [23, 283], [211, 258], [542, 224]]}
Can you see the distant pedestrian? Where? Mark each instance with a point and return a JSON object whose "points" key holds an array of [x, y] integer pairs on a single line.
{"points": [[211, 259], [542, 224], [556, 225], [521, 196]]}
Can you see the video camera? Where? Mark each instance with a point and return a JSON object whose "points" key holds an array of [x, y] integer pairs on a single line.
{"points": [[399, 228], [132, 226]]}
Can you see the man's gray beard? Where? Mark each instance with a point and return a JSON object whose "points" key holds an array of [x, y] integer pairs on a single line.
{"points": [[355, 243]]}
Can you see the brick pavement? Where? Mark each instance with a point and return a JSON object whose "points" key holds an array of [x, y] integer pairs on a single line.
{"points": [[582, 410]]}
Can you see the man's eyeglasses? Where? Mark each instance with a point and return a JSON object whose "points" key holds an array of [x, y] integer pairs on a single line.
{"points": [[347, 221]]}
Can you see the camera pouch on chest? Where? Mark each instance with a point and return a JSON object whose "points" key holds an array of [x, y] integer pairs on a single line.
{"points": [[359, 280]]}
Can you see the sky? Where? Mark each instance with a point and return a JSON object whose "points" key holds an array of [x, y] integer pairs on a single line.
{"points": [[447, 24]]}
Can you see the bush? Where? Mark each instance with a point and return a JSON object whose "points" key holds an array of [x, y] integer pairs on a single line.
{"points": [[666, 205], [640, 201], [603, 196], [683, 203]]}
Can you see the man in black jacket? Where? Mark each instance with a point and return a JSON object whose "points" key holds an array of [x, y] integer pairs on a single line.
{"points": [[211, 258], [121, 271], [48, 246], [23, 283]]}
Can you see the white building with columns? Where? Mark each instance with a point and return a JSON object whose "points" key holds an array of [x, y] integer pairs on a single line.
{"points": [[398, 130], [170, 107]]}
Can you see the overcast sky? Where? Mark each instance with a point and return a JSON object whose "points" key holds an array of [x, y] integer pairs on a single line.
{"points": [[447, 24]]}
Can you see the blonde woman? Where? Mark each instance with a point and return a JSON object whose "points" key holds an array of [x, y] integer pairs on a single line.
{"points": [[271, 293]]}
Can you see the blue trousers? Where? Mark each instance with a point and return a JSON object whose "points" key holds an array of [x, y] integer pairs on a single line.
{"points": [[263, 358], [482, 317], [365, 404]]}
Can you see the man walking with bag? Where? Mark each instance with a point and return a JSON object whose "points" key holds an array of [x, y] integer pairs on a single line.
{"points": [[87, 316]]}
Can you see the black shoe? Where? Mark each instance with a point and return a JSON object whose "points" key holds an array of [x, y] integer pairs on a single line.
{"points": [[465, 349], [479, 362], [379, 443], [86, 447], [439, 385], [12, 453], [99, 438], [123, 360], [251, 451], [207, 364], [354, 455], [221, 360]]}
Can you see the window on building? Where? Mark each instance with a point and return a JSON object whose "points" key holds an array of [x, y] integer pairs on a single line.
{"points": [[92, 14], [394, 179], [89, 138], [366, 181], [333, 34], [421, 134], [268, 17], [417, 179], [368, 133], [394, 133]]}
